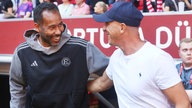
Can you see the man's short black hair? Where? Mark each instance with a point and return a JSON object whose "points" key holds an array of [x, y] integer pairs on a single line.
{"points": [[37, 14]]}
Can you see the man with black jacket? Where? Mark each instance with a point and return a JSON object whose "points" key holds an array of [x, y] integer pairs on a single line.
{"points": [[51, 69]]}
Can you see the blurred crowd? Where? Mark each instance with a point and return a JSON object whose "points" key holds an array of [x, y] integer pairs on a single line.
{"points": [[24, 8]]}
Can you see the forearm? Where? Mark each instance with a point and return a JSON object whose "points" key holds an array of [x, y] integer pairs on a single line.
{"points": [[187, 105], [100, 84], [184, 104], [95, 86], [178, 96]]}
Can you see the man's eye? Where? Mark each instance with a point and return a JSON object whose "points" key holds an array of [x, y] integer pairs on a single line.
{"points": [[184, 50], [52, 27], [60, 25]]}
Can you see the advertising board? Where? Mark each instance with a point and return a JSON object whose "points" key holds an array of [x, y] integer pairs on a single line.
{"points": [[165, 30]]}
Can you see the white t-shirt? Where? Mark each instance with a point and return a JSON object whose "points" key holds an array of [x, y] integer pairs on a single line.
{"points": [[65, 10], [140, 77]]}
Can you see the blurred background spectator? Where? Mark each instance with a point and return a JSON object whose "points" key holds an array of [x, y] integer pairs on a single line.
{"points": [[16, 4], [100, 7], [81, 8], [51, 1], [25, 9], [7, 9], [170, 5], [149, 5], [184, 68], [1, 5], [65, 8], [92, 3], [73, 2], [188, 5]]}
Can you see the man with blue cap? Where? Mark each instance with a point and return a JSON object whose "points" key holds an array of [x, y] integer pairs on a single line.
{"points": [[143, 75]]}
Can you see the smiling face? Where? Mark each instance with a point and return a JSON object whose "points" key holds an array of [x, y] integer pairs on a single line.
{"points": [[50, 29], [113, 31]]}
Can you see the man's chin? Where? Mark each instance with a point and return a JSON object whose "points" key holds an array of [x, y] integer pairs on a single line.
{"points": [[55, 44]]}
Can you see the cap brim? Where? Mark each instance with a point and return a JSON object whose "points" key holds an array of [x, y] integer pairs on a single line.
{"points": [[101, 18]]}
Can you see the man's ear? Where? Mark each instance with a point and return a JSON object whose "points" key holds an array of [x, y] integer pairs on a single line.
{"points": [[37, 27], [123, 26]]}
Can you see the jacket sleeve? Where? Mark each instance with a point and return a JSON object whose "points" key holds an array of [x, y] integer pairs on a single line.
{"points": [[17, 85], [97, 61]]}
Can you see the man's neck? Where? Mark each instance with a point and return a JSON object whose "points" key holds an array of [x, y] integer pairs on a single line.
{"points": [[80, 4], [187, 65]]}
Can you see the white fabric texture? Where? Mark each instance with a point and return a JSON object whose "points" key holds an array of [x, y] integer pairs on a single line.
{"points": [[140, 77], [65, 11]]}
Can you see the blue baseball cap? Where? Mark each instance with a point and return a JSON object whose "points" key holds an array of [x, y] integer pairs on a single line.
{"points": [[123, 12]]}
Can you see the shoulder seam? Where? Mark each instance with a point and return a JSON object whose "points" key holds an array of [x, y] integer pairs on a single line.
{"points": [[77, 41], [22, 46]]}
